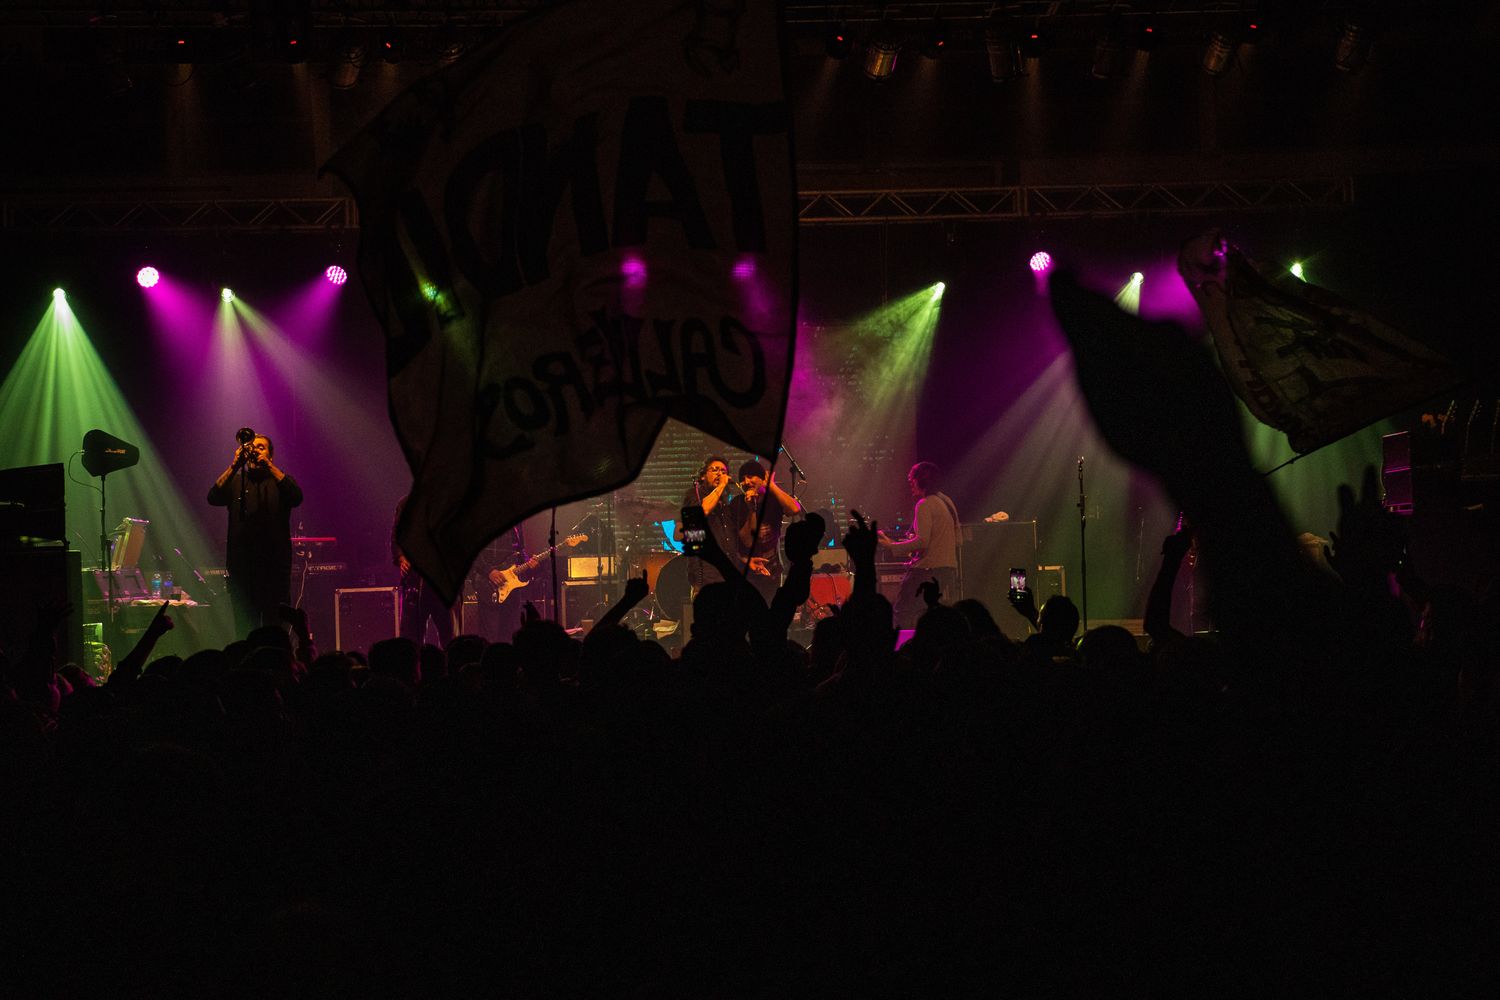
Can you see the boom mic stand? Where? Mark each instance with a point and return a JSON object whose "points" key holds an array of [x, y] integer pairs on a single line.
{"points": [[1083, 548]]}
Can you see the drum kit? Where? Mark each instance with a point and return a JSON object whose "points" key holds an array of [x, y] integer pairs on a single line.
{"points": [[643, 539]]}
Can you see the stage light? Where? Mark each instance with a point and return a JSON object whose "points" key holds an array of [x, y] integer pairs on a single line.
{"points": [[147, 277], [346, 71], [389, 47], [1109, 53], [838, 42], [1145, 39], [1217, 54], [744, 268], [934, 39], [880, 54], [1035, 44], [1128, 297], [1041, 261], [1353, 49], [1002, 47], [937, 290], [226, 295], [634, 271], [58, 295], [1297, 271], [336, 275]]}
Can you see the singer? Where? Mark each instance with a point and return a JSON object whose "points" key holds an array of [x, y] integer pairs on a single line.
{"points": [[934, 540], [713, 491], [260, 497]]}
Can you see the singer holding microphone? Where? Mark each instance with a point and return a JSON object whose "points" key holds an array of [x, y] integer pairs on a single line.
{"points": [[260, 498]]}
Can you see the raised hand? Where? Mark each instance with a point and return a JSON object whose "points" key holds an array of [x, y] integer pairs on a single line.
{"points": [[1175, 546], [160, 624], [758, 565], [931, 591], [636, 590], [1371, 541], [295, 617], [803, 537], [861, 538], [1024, 601]]}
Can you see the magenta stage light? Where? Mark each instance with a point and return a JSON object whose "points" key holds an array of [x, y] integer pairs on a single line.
{"points": [[634, 271], [744, 268], [1040, 261], [336, 275], [147, 277]]}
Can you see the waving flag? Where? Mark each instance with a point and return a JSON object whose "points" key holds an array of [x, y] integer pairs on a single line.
{"points": [[572, 234], [1303, 360]]}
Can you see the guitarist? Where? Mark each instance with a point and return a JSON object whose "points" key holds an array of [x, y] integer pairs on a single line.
{"points": [[934, 543]]}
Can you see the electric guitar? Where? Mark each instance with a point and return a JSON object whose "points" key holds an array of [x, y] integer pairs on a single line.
{"points": [[506, 580]]}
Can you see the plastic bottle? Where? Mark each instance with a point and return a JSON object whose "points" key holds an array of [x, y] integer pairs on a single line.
{"points": [[168, 591], [156, 585]]}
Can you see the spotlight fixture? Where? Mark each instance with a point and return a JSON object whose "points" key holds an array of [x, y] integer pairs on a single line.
{"points": [[880, 53], [336, 275], [1041, 261], [938, 290], [1002, 46], [389, 47], [934, 39], [58, 295], [1136, 277], [226, 295], [1217, 54], [147, 277], [346, 71], [838, 41], [1297, 271], [1353, 48], [1109, 53], [1035, 43], [633, 269], [744, 268], [1145, 38]]}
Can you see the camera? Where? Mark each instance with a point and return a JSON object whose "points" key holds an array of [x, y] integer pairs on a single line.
{"points": [[694, 530], [244, 435]]}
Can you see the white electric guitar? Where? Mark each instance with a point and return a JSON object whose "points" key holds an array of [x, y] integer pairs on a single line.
{"points": [[507, 580]]}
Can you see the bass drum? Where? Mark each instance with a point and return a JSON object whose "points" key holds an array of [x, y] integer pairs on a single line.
{"points": [[672, 592]]}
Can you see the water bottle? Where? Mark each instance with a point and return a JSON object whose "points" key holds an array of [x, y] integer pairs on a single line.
{"points": [[156, 585], [166, 586]]}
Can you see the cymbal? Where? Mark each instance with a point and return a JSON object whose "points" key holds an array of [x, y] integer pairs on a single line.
{"points": [[640, 507]]}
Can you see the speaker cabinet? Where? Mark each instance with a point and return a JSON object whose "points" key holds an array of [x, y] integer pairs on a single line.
{"points": [[362, 616]]}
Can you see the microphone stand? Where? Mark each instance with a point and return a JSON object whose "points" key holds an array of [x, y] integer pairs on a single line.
{"points": [[797, 473], [1083, 549], [552, 557]]}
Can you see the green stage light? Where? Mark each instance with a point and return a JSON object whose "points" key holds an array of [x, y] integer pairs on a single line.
{"points": [[227, 295], [1297, 271], [937, 291], [58, 390], [59, 295], [1128, 298]]}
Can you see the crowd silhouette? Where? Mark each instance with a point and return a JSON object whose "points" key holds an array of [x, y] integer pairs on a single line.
{"points": [[1304, 801]]}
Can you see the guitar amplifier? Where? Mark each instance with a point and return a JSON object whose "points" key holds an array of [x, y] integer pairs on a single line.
{"points": [[362, 616]]}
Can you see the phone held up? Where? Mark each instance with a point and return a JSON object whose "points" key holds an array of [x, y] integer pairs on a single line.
{"points": [[1017, 581], [694, 530]]}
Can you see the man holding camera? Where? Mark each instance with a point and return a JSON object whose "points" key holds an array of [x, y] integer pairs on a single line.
{"points": [[260, 498]]}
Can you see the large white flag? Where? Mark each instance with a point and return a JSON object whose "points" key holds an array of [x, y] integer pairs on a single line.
{"points": [[570, 235], [1303, 360]]}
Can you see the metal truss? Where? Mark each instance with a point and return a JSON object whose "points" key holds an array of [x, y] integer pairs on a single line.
{"points": [[1069, 201], [169, 215], [814, 208]]}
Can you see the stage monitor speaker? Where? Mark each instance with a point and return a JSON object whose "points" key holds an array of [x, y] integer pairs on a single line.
{"points": [[362, 616], [990, 549], [582, 600], [35, 577]]}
